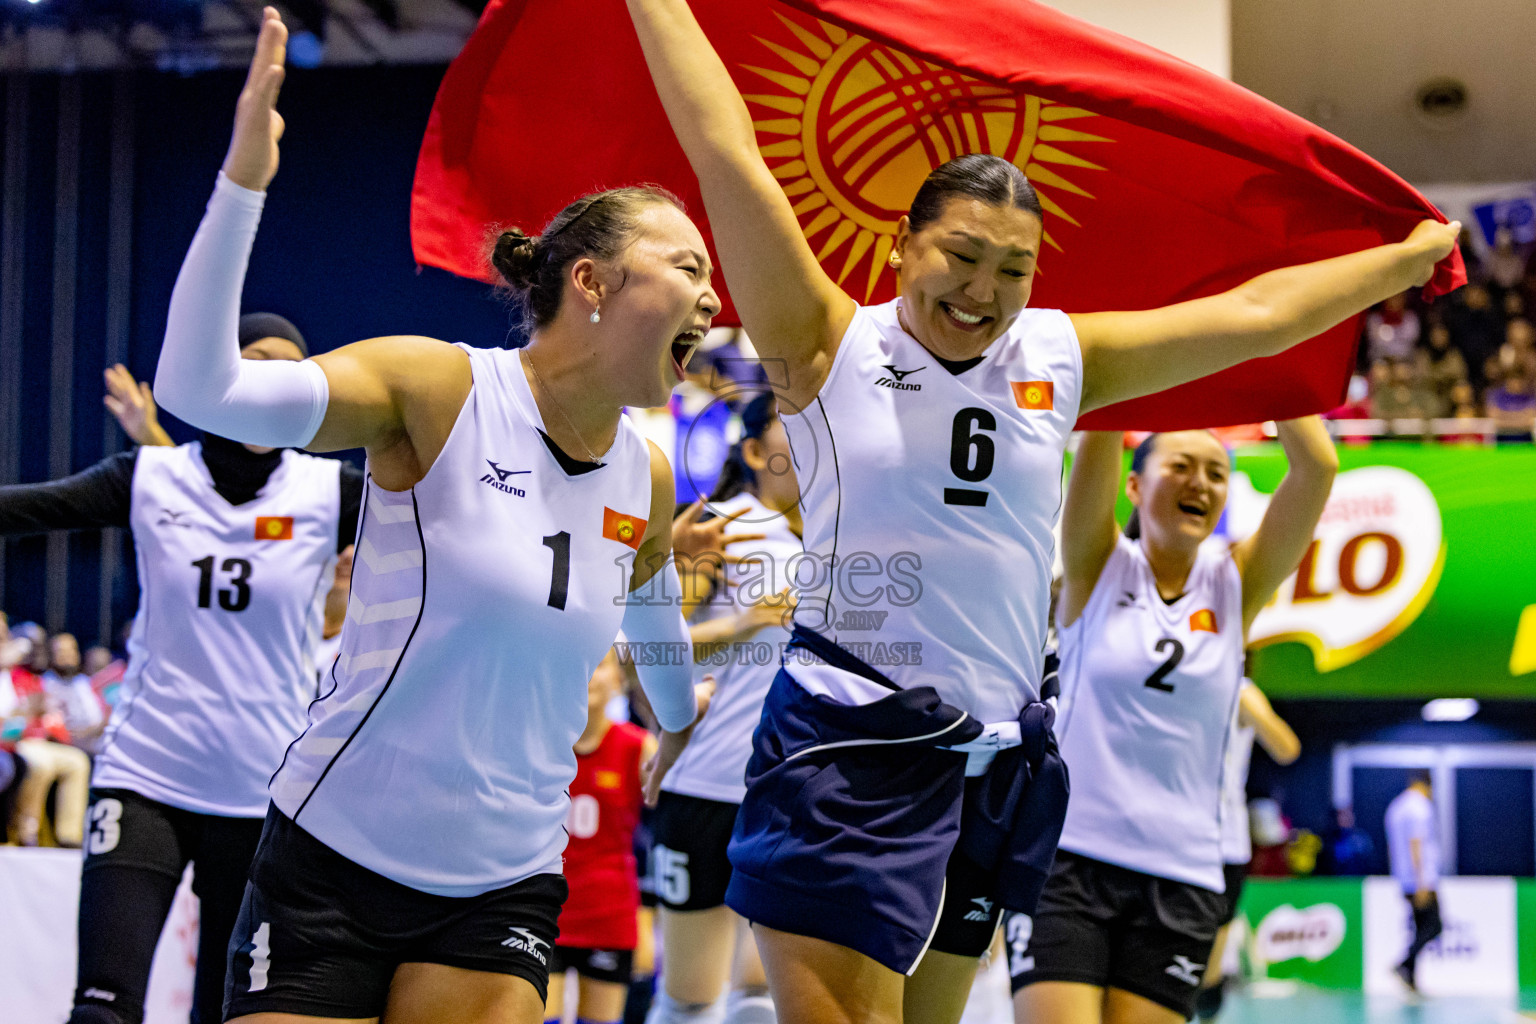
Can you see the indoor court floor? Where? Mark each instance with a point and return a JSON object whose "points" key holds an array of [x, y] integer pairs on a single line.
{"points": [[1284, 1003]]}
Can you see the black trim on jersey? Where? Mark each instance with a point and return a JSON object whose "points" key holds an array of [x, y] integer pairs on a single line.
{"points": [[93, 499], [837, 517], [416, 512], [958, 366], [353, 484], [572, 467]]}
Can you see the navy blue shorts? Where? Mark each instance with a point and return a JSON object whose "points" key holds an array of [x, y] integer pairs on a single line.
{"points": [[856, 844]]}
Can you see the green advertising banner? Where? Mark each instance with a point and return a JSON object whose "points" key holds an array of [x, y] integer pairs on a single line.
{"points": [[1310, 930], [1421, 581]]}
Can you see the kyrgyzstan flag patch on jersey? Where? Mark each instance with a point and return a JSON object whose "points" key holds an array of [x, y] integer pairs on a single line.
{"points": [[274, 527], [1203, 620], [624, 529], [1033, 394]]}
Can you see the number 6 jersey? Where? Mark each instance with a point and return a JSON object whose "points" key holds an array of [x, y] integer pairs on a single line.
{"points": [[930, 496], [220, 665], [1149, 691]]}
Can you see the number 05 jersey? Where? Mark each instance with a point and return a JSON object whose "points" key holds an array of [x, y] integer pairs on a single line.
{"points": [[1149, 694], [221, 656], [930, 497]]}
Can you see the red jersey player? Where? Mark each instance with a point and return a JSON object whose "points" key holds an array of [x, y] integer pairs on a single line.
{"points": [[598, 928]]}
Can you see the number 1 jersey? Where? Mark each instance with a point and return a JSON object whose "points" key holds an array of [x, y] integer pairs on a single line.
{"points": [[221, 656], [931, 494]]}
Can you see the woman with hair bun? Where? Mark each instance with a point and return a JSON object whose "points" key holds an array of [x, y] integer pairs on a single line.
{"points": [[928, 433], [409, 867]]}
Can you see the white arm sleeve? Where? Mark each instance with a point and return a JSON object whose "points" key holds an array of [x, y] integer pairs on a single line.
{"points": [[201, 377], [668, 684]]}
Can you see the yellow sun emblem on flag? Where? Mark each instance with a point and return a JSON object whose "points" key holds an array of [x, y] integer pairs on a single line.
{"points": [[857, 126], [626, 531]]}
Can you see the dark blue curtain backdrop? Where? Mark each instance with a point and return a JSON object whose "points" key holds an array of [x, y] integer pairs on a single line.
{"points": [[333, 254], [1495, 821]]}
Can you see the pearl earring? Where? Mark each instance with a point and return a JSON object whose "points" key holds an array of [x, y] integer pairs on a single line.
{"points": [[596, 317]]}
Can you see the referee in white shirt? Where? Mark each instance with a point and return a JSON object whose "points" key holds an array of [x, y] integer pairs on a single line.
{"points": [[1413, 846]]}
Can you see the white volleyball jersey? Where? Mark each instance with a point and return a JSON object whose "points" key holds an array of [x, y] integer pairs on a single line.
{"points": [[221, 655], [1154, 689], [482, 600], [929, 501], [714, 764], [1236, 841]]}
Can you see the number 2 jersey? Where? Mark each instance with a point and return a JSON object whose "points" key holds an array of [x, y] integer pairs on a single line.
{"points": [[600, 857], [929, 501], [221, 655], [1150, 692]]}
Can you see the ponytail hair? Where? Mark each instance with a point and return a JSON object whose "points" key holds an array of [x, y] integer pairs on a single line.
{"points": [[1139, 459]]}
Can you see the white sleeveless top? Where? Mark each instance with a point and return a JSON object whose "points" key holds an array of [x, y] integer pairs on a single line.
{"points": [[482, 600], [932, 497], [221, 655], [1236, 840], [714, 764], [1154, 689]]}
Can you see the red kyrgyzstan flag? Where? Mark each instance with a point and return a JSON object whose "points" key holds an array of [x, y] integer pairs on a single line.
{"points": [[1161, 182]]}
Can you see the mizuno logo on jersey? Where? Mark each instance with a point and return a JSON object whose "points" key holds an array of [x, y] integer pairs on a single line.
{"points": [[497, 478], [603, 960], [1203, 621], [1128, 601], [896, 377], [274, 527], [981, 912], [171, 517], [1185, 969], [525, 940]]}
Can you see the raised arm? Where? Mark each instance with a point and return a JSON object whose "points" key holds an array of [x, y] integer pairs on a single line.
{"points": [[1127, 355], [1088, 530], [1275, 549], [396, 397], [131, 404], [790, 307], [1274, 734]]}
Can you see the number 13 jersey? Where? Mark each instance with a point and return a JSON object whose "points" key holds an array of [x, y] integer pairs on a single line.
{"points": [[930, 498], [1149, 692], [221, 657]]}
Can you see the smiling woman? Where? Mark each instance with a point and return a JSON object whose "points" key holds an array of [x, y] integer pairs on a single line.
{"points": [[1152, 626], [936, 424]]}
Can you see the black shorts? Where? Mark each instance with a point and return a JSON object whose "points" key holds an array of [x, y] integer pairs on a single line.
{"points": [[1103, 925], [689, 869], [321, 935], [614, 965], [135, 852], [1236, 875], [642, 845]]}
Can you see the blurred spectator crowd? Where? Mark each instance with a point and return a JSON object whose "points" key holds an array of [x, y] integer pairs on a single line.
{"points": [[55, 704], [1460, 368]]}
